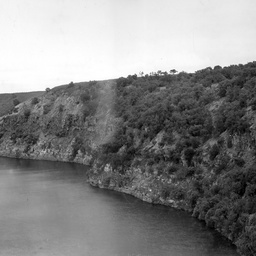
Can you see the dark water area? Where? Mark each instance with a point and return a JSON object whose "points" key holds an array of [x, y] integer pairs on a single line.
{"points": [[48, 209]]}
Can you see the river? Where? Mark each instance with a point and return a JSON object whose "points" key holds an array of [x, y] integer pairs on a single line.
{"points": [[48, 209]]}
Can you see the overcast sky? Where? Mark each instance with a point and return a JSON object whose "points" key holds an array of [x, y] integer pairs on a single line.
{"points": [[45, 43]]}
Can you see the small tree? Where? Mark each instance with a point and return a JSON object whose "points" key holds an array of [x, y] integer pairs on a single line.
{"points": [[173, 71], [16, 102], [84, 97], [34, 101], [47, 108], [214, 151], [61, 108], [71, 84], [27, 113], [188, 154]]}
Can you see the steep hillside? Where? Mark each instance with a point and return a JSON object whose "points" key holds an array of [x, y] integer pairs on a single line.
{"points": [[9, 100], [68, 123], [188, 141], [182, 140]]}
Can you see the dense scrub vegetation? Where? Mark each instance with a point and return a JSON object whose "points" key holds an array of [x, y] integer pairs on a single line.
{"points": [[197, 130]]}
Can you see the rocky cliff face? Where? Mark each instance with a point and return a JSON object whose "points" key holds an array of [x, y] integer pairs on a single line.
{"points": [[176, 187], [67, 123]]}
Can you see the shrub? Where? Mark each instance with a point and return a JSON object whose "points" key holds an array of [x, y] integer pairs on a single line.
{"points": [[84, 97], [222, 164], [229, 142], [78, 143], [222, 89], [15, 110], [239, 161], [27, 113], [34, 101], [182, 173], [61, 108], [190, 171], [192, 199], [61, 133], [47, 109], [246, 243], [106, 181], [91, 83], [71, 84], [92, 106], [26, 149], [151, 161], [177, 193], [16, 102], [165, 193], [214, 151], [253, 104], [220, 141], [172, 169], [31, 139], [86, 112], [188, 154]]}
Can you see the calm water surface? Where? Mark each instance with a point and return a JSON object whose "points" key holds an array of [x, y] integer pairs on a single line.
{"points": [[47, 208]]}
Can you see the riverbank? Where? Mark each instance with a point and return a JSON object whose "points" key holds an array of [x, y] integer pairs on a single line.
{"points": [[168, 191], [146, 187], [48, 209]]}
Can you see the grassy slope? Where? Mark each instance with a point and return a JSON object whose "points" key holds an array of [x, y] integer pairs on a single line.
{"points": [[6, 100]]}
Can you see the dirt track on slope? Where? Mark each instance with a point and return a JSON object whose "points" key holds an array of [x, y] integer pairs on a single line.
{"points": [[105, 119]]}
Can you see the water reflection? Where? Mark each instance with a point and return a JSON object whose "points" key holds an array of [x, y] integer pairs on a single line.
{"points": [[47, 208]]}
